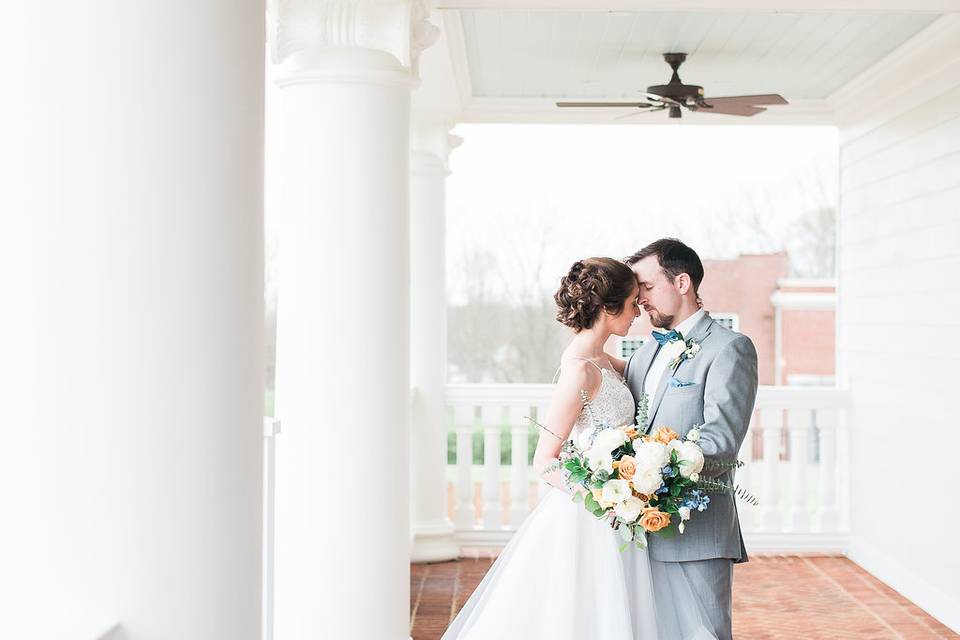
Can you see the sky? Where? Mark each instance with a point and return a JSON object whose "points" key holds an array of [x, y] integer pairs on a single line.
{"points": [[525, 195]]}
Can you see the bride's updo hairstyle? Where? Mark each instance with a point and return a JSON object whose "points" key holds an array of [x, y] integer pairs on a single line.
{"points": [[593, 285]]}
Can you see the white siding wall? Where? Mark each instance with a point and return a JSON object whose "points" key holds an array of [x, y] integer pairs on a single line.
{"points": [[899, 310]]}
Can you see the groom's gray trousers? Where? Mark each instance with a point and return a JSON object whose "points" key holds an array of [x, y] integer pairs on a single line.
{"points": [[711, 582]]}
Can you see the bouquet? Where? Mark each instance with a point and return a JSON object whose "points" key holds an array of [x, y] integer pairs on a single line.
{"points": [[640, 483]]}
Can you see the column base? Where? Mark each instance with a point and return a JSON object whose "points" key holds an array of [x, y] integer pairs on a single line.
{"points": [[434, 542]]}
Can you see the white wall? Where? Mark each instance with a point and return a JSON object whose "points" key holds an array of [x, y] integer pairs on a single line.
{"points": [[899, 315]]}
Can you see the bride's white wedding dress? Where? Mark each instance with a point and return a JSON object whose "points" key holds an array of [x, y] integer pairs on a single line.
{"points": [[562, 575]]}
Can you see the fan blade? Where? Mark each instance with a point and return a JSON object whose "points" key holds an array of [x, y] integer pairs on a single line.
{"points": [[731, 109], [662, 99], [638, 105], [639, 113], [769, 98]]}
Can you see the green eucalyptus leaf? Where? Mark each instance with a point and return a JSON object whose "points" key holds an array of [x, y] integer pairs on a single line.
{"points": [[590, 503]]}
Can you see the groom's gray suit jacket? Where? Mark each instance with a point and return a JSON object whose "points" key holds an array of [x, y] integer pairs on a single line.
{"points": [[721, 398]]}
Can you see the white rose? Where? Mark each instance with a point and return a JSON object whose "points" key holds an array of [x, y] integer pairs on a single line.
{"points": [[616, 491], [684, 513], [695, 347], [647, 481], [609, 439], [598, 459], [695, 477], [674, 349], [629, 510], [652, 455], [693, 435], [691, 459], [673, 445]]}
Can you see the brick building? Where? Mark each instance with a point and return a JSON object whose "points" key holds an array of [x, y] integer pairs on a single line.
{"points": [[791, 321]]}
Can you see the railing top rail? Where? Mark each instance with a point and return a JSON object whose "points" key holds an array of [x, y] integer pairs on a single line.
{"points": [[503, 394], [527, 394]]}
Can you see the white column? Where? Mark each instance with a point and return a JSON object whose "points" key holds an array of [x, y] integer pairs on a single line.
{"points": [[432, 529], [144, 175], [343, 523]]}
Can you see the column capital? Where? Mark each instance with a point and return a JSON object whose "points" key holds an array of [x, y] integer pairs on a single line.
{"points": [[349, 40], [431, 144]]}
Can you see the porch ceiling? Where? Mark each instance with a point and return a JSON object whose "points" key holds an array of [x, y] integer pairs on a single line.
{"points": [[507, 63]]}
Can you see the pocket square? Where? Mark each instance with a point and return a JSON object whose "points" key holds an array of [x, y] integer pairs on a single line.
{"points": [[680, 383]]}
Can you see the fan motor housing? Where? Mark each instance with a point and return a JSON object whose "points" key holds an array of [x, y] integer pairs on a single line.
{"points": [[683, 93]]}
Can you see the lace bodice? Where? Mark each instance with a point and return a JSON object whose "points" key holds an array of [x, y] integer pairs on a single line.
{"points": [[612, 406]]}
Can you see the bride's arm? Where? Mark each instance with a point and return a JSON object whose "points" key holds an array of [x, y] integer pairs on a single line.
{"points": [[565, 406]]}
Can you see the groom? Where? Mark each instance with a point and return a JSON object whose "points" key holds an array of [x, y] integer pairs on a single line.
{"points": [[716, 388]]}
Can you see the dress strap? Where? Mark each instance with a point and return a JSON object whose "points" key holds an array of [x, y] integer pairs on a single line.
{"points": [[599, 368]]}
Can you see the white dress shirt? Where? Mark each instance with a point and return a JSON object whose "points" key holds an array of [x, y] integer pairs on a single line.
{"points": [[660, 362]]}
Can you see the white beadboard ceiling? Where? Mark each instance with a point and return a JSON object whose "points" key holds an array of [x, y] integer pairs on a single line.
{"points": [[514, 53]]}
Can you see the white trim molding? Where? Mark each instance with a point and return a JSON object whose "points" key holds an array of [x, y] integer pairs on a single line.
{"points": [[806, 283], [904, 79], [758, 6], [804, 301]]}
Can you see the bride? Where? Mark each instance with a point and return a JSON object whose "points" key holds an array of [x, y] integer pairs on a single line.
{"points": [[562, 575]]}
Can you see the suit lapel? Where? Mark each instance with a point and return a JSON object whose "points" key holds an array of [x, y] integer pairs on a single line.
{"points": [[699, 332]]}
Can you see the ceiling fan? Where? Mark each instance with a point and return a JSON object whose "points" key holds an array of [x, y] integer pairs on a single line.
{"points": [[675, 94]]}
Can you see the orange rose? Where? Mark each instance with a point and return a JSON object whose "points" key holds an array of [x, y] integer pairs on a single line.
{"points": [[627, 467], [652, 519], [665, 434], [631, 432]]}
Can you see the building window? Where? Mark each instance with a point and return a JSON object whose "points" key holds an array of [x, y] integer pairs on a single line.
{"points": [[729, 320], [629, 345]]}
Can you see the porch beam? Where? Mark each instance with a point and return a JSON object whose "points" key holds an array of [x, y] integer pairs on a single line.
{"points": [[759, 6]]}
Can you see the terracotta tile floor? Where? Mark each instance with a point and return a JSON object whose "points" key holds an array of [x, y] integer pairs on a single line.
{"points": [[775, 597]]}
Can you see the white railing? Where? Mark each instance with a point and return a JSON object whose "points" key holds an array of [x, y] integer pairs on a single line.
{"points": [[794, 457]]}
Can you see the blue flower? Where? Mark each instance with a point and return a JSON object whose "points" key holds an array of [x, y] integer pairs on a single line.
{"points": [[662, 490], [668, 471], [696, 499]]}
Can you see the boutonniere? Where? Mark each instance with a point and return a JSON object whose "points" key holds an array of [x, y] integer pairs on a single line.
{"points": [[681, 350]]}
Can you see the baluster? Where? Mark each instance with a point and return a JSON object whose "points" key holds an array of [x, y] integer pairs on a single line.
{"points": [[747, 513], [842, 457], [798, 424], [772, 421], [519, 472], [463, 419], [828, 514], [491, 417]]}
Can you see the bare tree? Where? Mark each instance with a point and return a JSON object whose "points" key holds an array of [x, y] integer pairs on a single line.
{"points": [[511, 336]]}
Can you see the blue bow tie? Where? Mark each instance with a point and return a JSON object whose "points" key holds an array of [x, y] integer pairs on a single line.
{"points": [[666, 338]]}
